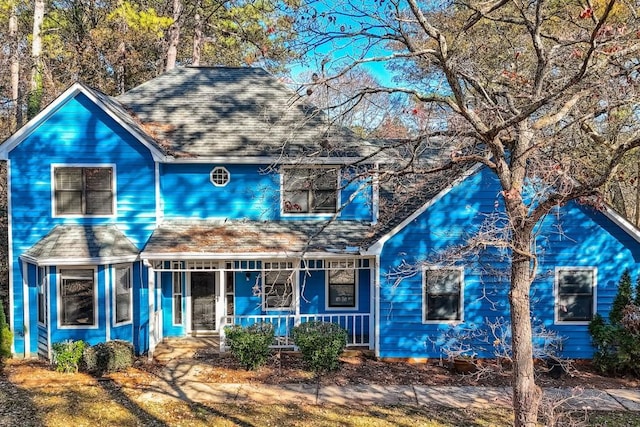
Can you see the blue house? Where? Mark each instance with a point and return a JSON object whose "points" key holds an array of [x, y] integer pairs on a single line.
{"points": [[216, 196]]}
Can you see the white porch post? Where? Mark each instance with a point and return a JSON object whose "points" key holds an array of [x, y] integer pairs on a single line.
{"points": [[25, 312], [152, 313], [107, 301], [376, 329], [372, 303]]}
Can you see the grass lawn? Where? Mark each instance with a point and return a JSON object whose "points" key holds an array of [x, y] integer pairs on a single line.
{"points": [[33, 396]]}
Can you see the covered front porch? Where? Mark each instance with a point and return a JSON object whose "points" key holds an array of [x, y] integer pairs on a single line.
{"points": [[196, 298]]}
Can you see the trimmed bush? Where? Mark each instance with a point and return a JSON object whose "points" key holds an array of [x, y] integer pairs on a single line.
{"points": [[321, 344], [6, 337], [107, 357], [67, 355], [250, 345]]}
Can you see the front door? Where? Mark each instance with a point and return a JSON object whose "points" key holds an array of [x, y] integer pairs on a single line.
{"points": [[203, 301]]}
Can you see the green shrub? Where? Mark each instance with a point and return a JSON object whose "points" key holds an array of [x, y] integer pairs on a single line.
{"points": [[6, 337], [321, 344], [250, 345], [107, 357], [617, 343], [67, 355]]}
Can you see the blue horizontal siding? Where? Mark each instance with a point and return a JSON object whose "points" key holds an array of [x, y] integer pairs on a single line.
{"points": [[77, 133], [252, 193], [575, 236]]}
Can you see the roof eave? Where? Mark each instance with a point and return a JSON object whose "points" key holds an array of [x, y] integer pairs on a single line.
{"points": [[183, 256], [42, 262], [622, 222]]}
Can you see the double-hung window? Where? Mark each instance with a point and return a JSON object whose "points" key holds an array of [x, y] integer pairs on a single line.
{"points": [[442, 294], [277, 287], [341, 286], [177, 298], [77, 297], [42, 295], [83, 190], [575, 293], [123, 293], [310, 190]]}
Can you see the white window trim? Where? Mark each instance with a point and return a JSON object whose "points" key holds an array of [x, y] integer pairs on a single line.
{"points": [[356, 296], [217, 168], [294, 290], [96, 310], [84, 165], [284, 213], [113, 294], [594, 287], [45, 302], [423, 294], [173, 303]]}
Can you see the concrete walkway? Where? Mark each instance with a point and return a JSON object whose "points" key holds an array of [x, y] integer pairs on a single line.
{"points": [[187, 389], [180, 379]]}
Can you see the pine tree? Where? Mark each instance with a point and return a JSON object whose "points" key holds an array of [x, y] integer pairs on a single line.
{"points": [[636, 300], [623, 298]]}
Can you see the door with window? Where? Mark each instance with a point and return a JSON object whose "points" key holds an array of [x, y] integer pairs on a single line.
{"points": [[203, 301]]}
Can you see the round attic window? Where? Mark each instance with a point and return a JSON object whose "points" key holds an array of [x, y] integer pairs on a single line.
{"points": [[220, 176]]}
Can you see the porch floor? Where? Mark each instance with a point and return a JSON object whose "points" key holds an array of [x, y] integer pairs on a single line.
{"points": [[186, 347]]}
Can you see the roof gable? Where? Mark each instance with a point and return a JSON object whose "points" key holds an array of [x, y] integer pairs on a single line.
{"points": [[419, 205], [105, 103]]}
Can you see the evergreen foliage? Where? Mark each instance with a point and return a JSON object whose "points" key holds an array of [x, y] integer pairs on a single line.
{"points": [[6, 337], [107, 357], [624, 297], [250, 345], [617, 342], [321, 344]]}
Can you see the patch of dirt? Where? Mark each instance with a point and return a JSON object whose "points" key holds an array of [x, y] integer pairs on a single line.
{"points": [[287, 368]]}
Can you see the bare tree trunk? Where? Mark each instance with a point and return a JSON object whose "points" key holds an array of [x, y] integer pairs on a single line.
{"points": [[174, 36], [15, 68], [526, 394], [122, 67], [617, 198], [197, 36], [35, 91]]}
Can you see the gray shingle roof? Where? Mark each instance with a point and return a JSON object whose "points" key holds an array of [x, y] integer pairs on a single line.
{"points": [[221, 111], [241, 237], [82, 243]]}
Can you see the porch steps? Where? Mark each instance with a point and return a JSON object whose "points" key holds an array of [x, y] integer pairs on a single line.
{"points": [[186, 348]]}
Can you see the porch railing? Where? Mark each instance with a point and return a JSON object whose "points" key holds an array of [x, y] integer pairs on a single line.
{"points": [[357, 326]]}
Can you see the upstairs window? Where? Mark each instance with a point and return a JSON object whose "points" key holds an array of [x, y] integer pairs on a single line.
{"points": [[574, 294], [310, 190], [219, 176], [442, 293], [83, 190]]}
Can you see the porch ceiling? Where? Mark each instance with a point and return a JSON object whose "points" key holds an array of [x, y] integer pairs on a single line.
{"points": [[256, 237]]}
